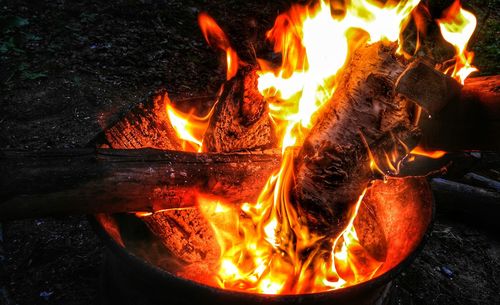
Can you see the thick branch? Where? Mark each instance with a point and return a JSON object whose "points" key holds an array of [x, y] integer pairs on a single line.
{"points": [[107, 180]]}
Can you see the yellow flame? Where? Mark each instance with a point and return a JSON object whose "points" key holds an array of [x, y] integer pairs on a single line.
{"points": [[315, 47], [189, 127], [457, 26], [435, 154]]}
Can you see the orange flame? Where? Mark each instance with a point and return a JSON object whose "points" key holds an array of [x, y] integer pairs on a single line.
{"points": [[457, 26], [435, 154], [189, 127], [266, 246], [216, 38]]}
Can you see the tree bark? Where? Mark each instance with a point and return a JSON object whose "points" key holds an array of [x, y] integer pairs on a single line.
{"points": [[364, 117]]}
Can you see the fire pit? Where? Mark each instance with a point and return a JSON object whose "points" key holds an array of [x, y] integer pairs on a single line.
{"points": [[134, 272], [323, 228]]}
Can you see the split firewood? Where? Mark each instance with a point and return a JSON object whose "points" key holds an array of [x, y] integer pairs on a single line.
{"points": [[137, 130], [240, 120], [146, 125], [364, 119]]}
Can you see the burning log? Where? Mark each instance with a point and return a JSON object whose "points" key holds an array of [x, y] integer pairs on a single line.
{"points": [[364, 118], [91, 181], [240, 120]]}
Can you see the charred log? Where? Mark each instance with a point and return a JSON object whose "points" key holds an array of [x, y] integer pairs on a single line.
{"points": [[240, 120], [365, 117], [91, 181], [186, 234]]}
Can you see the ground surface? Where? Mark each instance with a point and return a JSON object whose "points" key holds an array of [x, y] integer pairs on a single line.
{"points": [[68, 66]]}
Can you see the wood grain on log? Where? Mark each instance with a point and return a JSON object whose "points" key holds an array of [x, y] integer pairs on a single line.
{"points": [[88, 181], [186, 234], [333, 166], [145, 126], [240, 120]]}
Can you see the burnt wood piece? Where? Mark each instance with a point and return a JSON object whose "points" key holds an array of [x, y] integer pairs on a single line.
{"points": [[364, 114], [87, 181], [473, 204], [146, 125], [185, 233], [240, 120], [470, 122], [483, 181], [426, 86]]}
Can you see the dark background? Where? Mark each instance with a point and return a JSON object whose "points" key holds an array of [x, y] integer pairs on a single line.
{"points": [[67, 66]]}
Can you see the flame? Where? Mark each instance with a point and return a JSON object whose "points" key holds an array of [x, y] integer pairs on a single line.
{"points": [[189, 127], [266, 246], [216, 38], [457, 26], [315, 47], [435, 154]]}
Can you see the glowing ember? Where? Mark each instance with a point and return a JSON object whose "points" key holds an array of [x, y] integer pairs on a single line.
{"points": [[266, 246]]}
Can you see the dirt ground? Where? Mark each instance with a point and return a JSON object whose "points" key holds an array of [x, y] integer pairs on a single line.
{"points": [[67, 67]]}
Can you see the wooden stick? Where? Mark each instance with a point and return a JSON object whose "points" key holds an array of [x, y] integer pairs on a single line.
{"points": [[90, 181]]}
